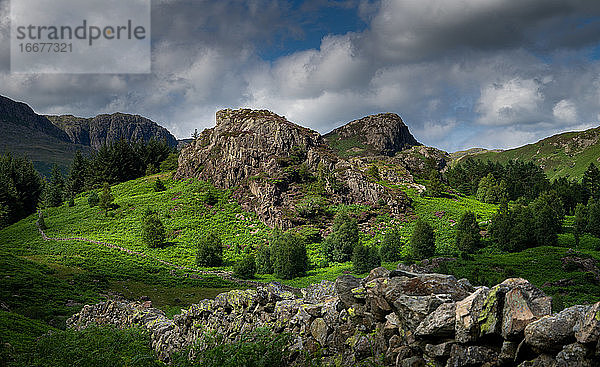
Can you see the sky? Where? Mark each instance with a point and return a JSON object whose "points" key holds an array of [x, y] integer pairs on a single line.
{"points": [[460, 73]]}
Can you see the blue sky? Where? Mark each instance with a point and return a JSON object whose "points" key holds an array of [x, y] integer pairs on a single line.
{"points": [[461, 73]]}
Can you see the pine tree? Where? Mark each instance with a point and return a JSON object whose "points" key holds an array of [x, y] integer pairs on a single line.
{"points": [[210, 251], [391, 246], [580, 224], [245, 268], [55, 188], [468, 238], [593, 209], [106, 198], [76, 181], [365, 258], [159, 185], [422, 240], [435, 187], [338, 246], [264, 265], [153, 230], [289, 256], [591, 181], [547, 214]]}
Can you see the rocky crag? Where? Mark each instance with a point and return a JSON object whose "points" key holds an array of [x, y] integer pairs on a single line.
{"points": [[286, 173], [104, 129], [397, 318]]}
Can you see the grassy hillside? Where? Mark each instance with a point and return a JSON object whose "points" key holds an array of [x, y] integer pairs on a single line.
{"points": [[563, 155]]}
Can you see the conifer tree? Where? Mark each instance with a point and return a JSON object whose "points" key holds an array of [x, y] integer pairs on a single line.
{"points": [[591, 181], [106, 198], [580, 224], [422, 240], [55, 188], [338, 246], [468, 238]]}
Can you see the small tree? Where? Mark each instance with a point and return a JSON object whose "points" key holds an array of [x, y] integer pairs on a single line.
{"points": [[288, 252], [159, 185], [591, 181], [338, 246], [422, 240], [593, 209], [468, 238], [153, 230], [106, 198], [210, 251], [391, 246], [93, 199], [55, 188], [365, 258], [41, 223], [547, 213], [264, 265], [580, 225], [435, 188], [245, 268]]}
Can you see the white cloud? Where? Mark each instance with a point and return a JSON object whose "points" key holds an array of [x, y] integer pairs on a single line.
{"points": [[514, 101], [565, 111]]}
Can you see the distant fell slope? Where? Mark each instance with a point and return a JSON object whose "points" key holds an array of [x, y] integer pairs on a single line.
{"points": [[49, 140], [24, 132], [563, 155], [102, 129]]}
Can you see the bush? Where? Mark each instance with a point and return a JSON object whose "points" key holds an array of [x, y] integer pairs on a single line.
{"points": [[468, 238], [94, 346], [93, 199], [170, 163], [391, 246], [288, 253], [159, 185], [338, 246], [153, 230], [210, 196], [365, 258], [245, 268], [210, 251], [106, 198], [41, 222], [264, 265], [422, 240], [259, 348]]}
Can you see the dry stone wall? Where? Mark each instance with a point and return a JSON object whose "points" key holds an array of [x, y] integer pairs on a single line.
{"points": [[395, 317]]}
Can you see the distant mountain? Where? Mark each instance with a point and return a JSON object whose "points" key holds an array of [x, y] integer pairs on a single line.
{"points": [[102, 129], [49, 140], [563, 155]]}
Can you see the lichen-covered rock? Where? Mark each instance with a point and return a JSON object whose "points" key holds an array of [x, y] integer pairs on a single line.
{"points": [[467, 315], [319, 330], [343, 288], [550, 333], [576, 355], [590, 328], [440, 323], [473, 355], [439, 350], [523, 303]]}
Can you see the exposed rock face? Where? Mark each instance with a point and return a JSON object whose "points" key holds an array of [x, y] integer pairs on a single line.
{"points": [[270, 161], [103, 129], [402, 318], [381, 134]]}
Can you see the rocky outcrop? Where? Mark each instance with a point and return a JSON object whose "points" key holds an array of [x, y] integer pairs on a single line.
{"points": [[381, 134], [398, 317], [280, 170], [104, 129]]}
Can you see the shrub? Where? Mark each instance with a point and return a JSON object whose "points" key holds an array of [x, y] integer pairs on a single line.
{"points": [[210, 196], [580, 223], [245, 268], [153, 230], [365, 258], [93, 199], [170, 163], [159, 185], [338, 246], [264, 265], [210, 251], [311, 207], [41, 222], [94, 346], [258, 348], [288, 253], [391, 246], [468, 238], [422, 240], [106, 198]]}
